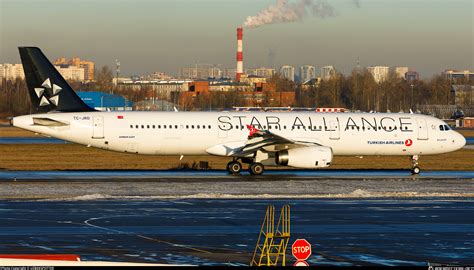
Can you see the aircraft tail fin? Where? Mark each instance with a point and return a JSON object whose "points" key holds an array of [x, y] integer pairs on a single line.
{"points": [[48, 90]]}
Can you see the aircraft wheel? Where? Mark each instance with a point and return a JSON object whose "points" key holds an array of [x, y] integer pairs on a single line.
{"points": [[234, 167], [415, 170], [256, 168]]}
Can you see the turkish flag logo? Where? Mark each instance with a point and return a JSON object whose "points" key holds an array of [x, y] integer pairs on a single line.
{"points": [[408, 142], [252, 130]]}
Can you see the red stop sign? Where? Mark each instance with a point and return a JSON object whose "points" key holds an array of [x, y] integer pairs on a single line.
{"points": [[301, 249]]}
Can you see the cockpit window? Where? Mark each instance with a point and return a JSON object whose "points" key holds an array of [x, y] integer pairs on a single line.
{"points": [[444, 127]]}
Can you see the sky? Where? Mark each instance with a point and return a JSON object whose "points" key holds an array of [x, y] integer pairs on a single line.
{"points": [[165, 35]]}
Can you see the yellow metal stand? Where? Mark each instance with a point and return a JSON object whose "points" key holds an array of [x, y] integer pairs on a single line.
{"points": [[271, 243]]}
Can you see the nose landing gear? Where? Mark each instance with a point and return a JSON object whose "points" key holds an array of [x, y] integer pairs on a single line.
{"points": [[415, 169]]}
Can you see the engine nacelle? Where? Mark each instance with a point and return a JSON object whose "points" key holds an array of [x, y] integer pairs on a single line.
{"points": [[308, 157]]}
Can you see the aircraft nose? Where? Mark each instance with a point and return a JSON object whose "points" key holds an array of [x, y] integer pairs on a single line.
{"points": [[460, 141]]}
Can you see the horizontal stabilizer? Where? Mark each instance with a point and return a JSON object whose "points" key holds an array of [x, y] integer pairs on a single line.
{"points": [[48, 122]]}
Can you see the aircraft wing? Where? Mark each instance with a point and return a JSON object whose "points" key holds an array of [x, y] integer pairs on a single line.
{"points": [[256, 140], [259, 139]]}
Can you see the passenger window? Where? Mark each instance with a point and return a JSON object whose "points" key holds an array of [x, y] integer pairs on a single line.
{"points": [[159, 126], [136, 126], [170, 126], [147, 126], [176, 126], [197, 126], [131, 126], [153, 126], [143, 126], [192, 126], [187, 126], [209, 126]]}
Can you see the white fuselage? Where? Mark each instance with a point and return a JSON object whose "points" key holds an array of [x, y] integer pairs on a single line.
{"points": [[193, 133]]}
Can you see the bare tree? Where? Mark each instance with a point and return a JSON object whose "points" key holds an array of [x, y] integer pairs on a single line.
{"points": [[104, 79]]}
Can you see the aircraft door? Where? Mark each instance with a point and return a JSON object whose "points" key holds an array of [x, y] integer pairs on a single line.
{"points": [[334, 132], [98, 127], [422, 129]]}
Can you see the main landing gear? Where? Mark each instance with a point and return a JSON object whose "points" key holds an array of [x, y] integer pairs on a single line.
{"points": [[235, 167], [256, 168], [415, 169]]}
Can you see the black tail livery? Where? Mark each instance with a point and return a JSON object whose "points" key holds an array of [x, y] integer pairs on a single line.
{"points": [[48, 90]]}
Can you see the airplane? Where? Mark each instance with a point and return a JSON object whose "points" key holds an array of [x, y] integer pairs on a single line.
{"points": [[306, 140]]}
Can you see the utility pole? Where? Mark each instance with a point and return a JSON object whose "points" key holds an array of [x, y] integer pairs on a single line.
{"points": [[117, 73], [375, 98], [280, 97]]}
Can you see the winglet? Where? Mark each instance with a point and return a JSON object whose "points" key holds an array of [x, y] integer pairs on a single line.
{"points": [[252, 130]]}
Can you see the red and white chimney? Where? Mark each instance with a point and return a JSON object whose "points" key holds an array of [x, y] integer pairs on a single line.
{"points": [[240, 58]]}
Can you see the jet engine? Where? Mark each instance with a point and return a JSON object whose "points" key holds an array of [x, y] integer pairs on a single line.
{"points": [[308, 157]]}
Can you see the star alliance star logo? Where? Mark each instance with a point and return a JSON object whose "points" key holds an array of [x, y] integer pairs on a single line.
{"points": [[55, 89]]}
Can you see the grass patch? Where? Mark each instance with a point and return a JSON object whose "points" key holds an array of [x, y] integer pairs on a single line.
{"points": [[78, 157]]}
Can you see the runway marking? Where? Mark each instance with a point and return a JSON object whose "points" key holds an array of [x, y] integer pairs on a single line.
{"points": [[87, 222]]}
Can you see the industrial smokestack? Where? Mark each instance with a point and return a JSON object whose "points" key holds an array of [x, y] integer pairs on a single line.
{"points": [[240, 63]]}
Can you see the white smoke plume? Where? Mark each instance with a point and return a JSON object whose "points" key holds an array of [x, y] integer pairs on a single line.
{"points": [[356, 3], [284, 11]]}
